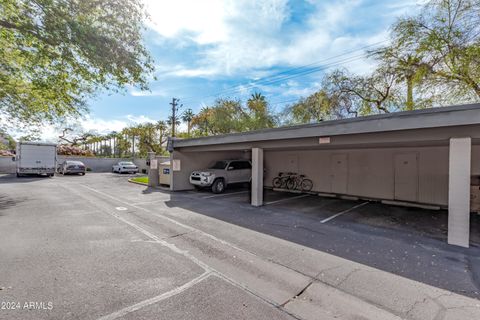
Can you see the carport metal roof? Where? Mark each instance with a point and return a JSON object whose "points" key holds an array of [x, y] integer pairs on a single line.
{"points": [[459, 115]]}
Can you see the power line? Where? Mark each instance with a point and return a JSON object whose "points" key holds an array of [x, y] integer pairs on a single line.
{"points": [[306, 72], [317, 69], [278, 77], [261, 80], [275, 103]]}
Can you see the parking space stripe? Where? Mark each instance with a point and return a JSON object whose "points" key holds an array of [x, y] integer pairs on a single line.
{"points": [[163, 296], [224, 194], [186, 254], [344, 211], [286, 199]]}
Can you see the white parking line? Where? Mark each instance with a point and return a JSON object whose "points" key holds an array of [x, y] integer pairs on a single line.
{"points": [[185, 253], [344, 211], [166, 218], [224, 194], [286, 199], [163, 296]]}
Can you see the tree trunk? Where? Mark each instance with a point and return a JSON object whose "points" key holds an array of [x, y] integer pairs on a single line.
{"points": [[380, 107], [475, 86], [133, 147], [410, 103]]}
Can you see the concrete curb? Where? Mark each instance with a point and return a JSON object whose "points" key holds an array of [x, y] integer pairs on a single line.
{"points": [[136, 182], [332, 285]]}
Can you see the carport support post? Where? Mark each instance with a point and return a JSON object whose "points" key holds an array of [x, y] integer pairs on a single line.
{"points": [[153, 177], [257, 177], [459, 191]]}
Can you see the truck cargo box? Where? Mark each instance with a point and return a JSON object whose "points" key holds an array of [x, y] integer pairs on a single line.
{"points": [[36, 158]]}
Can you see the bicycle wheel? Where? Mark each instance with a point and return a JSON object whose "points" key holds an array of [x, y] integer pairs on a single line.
{"points": [[306, 185], [291, 184], [277, 182]]}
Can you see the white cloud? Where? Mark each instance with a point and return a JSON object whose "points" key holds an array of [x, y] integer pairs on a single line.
{"points": [[138, 119], [152, 93], [194, 72], [242, 37], [203, 20]]}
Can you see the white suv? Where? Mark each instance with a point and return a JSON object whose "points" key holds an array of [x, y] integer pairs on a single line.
{"points": [[221, 174]]}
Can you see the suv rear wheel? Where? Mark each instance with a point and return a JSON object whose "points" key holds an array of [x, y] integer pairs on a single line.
{"points": [[218, 186]]}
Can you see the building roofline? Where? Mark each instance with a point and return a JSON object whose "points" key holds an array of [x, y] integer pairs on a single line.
{"points": [[437, 117], [37, 143]]}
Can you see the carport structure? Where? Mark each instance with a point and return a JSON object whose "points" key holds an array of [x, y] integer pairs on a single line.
{"points": [[421, 157]]}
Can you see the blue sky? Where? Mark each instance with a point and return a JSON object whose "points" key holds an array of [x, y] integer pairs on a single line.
{"points": [[221, 48]]}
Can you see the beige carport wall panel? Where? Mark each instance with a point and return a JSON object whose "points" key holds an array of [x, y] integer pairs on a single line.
{"points": [[370, 171], [475, 160], [191, 161]]}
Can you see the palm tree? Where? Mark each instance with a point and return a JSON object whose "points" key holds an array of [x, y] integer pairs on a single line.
{"points": [[113, 143], [259, 116], [409, 68], [96, 140], [201, 120], [187, 117], [257, 96], [162, 128]]}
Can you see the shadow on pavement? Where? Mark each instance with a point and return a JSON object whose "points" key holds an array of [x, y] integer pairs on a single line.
{"points": [[12, 178], [6, 203], [377, 235]]}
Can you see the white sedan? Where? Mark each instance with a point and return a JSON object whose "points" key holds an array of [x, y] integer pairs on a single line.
{"points": [[125, 167]]}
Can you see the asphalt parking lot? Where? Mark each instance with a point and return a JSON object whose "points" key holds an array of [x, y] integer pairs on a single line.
{"points": [[98, 247], [424, 222], [407, 241]]}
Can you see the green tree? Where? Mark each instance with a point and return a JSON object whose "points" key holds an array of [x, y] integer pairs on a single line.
{"points": [[74, 136], [260, 117], [201, 122], [187, 116], [143, 138], [410, 69], [314, 108], [122, 144], [446, 35], [54, 54], [162, 129], [8, 142], [227, 116], [94, 141], [374, 93]]}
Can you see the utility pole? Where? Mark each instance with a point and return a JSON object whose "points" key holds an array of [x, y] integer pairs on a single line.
{"points": [[175, 108]]}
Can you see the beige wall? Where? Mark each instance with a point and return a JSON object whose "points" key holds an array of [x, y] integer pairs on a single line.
{"points": [[105, 164], [7, 165], [371, 171]]}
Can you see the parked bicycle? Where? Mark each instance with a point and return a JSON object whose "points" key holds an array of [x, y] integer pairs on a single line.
{"points": [[281, 181], [292, 181]]}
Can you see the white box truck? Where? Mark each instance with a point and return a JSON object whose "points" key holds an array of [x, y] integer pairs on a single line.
{"points": [[36, 158]]}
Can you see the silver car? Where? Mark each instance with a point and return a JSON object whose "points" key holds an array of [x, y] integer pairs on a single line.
{"points": [[221, 174], [125, 167], [72, 167]]}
